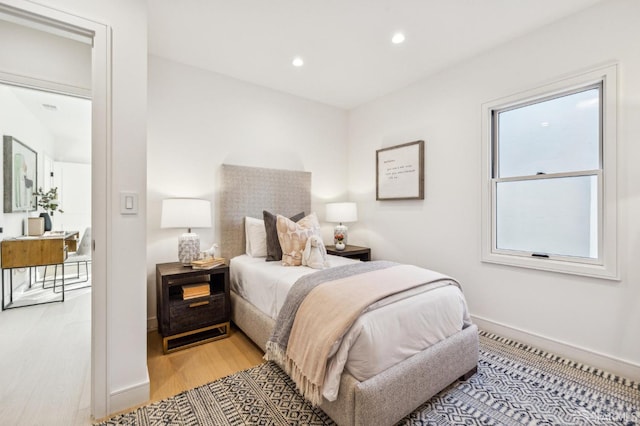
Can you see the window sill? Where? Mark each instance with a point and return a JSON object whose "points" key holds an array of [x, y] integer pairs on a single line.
{"points": [[552, 265]]}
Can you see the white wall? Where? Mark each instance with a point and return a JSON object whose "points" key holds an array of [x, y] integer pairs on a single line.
{"points": [[443, 231], [41, 56], [199, 120], [17, 121], [73, 181]]}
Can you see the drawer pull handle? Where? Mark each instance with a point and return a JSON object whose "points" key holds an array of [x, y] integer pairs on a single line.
{"points": [[195, 305]]}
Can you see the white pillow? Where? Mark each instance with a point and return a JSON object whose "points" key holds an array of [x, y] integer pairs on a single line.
{"points": [[256, 237]]}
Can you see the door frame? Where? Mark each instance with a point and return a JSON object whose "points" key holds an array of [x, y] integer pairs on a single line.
{"points": [[77, 28]]}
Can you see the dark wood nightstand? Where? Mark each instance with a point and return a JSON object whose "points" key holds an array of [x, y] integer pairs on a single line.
{"points": [[352, 252], [185, 322]]}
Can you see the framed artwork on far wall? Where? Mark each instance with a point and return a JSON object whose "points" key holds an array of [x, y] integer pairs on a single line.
{"points": [[400, 172], [20, 170]]}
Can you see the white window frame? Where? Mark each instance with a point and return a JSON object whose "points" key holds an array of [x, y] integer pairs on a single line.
{"points": [[606, 266]]}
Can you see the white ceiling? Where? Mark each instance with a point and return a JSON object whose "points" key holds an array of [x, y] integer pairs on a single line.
{"points": [[349, 58], [69, 123]]}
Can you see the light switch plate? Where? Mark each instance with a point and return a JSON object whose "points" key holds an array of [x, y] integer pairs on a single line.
{"points": [[128, 203]]}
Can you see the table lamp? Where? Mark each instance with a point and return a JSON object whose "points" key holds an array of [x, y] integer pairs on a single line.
{"points": [[186, 213], [341, 212]]}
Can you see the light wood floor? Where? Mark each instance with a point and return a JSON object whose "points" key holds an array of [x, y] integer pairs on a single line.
{"points": [[185, 369], [45, 363]]}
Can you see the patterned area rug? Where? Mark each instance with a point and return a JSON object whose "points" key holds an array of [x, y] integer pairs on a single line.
{"points": [[515, 385]]}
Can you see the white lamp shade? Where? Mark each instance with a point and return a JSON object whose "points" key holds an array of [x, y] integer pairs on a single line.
{"points": [[185, 213], [342, 212]]}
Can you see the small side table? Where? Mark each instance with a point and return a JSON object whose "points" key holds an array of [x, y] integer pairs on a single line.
{"points": [[187, 322], [352, 252]]}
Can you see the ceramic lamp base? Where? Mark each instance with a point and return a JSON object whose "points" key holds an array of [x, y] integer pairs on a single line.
{"points": [[340, 230], [188, 248], [340, 246]]}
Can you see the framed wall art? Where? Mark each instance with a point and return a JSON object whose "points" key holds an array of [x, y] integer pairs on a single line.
{"points": [[400, 172], [20, 176]]}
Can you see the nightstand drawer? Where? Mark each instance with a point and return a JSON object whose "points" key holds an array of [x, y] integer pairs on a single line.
{"points": [[195, 313]]}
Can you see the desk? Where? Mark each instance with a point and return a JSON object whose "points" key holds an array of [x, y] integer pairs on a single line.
{"points": [[71, 240], [27, 252]]}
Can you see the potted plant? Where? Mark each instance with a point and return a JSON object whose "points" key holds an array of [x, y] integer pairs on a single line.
{"points": [[49, 202]]}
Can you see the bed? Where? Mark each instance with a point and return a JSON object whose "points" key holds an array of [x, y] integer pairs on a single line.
{"points": [[388, 395]]}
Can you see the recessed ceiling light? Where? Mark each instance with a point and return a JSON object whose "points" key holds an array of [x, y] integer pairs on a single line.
{"points": [[50, 107], [545, 124], [297, 62], [397, 38]]}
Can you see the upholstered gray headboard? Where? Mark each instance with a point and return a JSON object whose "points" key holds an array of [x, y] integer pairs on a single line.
{"points": [[247, 191]]}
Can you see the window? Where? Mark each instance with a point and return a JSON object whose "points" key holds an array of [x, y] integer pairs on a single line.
{"points": [[549, 198]]}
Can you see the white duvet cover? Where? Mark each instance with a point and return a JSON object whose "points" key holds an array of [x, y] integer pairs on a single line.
{"points": [[391, 331], [265, 284]]}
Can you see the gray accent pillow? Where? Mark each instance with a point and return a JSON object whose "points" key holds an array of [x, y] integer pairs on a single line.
{"points": [[274, 251]]}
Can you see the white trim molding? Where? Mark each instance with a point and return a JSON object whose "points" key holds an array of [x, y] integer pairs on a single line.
{"points": [[607, 266], [39, 84], [46, 22], [120, 399], [604, 362], [99, 36], [152, 324]]}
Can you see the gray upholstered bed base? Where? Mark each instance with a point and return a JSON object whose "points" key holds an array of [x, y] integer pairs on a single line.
{"points": [[383, 399], [386, 398]]}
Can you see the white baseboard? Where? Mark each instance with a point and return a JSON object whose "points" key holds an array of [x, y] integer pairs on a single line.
{"points": [[152, 323], [129, 397], [604, 362]]}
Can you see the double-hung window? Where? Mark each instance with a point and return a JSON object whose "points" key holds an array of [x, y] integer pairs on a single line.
{"points": [[550, 193]]}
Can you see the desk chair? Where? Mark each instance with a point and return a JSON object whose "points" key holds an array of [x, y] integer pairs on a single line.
{"points": [[82, 255]]}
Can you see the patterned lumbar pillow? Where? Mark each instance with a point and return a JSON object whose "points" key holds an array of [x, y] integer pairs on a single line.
{"points": [[293, 237], [274, 252]]}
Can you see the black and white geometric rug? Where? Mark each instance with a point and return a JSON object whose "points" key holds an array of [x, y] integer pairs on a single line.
{"points": [[515, 385]]}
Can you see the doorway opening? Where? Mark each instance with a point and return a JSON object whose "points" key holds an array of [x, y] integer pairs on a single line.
{"points": [[57, 129], [28, 65]]}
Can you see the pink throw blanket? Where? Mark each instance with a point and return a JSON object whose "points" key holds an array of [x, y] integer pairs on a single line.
{"points": [[330, 309]]}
